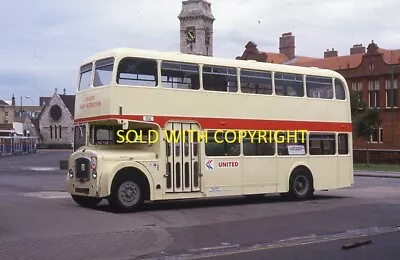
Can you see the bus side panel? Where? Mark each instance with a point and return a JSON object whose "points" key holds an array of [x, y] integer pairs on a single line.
{"points": [[259, 174], [324, 169], [345, 171], [345, 166], [222, 176]]}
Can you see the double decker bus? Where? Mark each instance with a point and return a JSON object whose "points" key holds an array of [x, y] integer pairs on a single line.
{"points": [[246, 127]]}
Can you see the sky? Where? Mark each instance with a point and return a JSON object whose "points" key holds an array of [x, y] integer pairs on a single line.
{"points": [[44, 42]]}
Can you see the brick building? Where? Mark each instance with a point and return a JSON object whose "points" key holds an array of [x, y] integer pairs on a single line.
{"points": [[368, 71], [6, 113]]}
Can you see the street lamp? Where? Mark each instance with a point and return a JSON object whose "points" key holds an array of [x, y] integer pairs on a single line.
{"points": [[20, 110], [392, 96]]}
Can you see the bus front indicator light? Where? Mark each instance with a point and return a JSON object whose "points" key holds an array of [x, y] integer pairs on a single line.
{"points": [[93, 164], [70, 173]]}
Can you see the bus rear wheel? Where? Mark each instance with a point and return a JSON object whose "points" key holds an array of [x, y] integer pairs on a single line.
{"points": [[87, 202], [301, 185], [126, 195]]}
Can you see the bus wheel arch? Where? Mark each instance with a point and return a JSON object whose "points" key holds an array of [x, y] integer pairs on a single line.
{"points": [[301, 183], [129, 189]]}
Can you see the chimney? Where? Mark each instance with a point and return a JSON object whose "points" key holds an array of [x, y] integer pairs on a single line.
{"points": [[330, 53], [13, 101], [64, 92], [357, 49], [55, 91], [287, 45]]}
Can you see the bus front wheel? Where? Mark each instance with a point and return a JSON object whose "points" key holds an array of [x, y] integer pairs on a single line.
{"points": [[126, 195], [301, 185]]}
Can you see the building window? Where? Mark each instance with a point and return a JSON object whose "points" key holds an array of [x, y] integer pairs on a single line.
{"points": [[59, 131], [55, 132], [388, 91], [5, 113], [377, 135], [357, 87], [51, 132], [373, 93]]}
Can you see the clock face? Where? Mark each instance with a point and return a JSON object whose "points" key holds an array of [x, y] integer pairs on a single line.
{"points": [[191, 34]]}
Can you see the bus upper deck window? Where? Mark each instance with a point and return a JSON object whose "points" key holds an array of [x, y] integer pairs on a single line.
{"points": [[137, 72], [103, 72], [339, 90], [85, 80]]}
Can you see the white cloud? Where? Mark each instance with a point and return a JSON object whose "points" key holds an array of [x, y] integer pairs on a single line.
{"points": [[43, 42]]}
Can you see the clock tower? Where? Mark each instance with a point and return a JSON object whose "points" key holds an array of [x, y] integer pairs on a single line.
{"points": [[196, 27]]}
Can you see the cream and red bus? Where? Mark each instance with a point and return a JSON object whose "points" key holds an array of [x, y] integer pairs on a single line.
{"points": [[125, 95]]}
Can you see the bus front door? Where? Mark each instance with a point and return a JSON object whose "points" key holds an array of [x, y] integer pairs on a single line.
{"points": [[182, 151]]}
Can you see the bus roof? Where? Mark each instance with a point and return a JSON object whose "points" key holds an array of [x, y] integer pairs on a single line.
{"points": [[200, 59]]}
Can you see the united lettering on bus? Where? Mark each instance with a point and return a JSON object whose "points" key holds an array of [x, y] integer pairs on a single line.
{"points": [[229, 164]]}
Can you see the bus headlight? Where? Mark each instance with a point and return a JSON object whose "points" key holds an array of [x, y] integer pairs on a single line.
{"points": [[70, 173], [93, 166]]}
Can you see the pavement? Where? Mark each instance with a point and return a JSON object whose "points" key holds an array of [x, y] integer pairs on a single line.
{"points": [[372, 247], [38, 220], [377, 174]]}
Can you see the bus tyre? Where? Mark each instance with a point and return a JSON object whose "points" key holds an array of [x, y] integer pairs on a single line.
{"points": [[126, 195], [87, 202], [301, 185]]}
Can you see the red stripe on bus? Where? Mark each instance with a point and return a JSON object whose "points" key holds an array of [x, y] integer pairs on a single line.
{"points": [[231, 123]]}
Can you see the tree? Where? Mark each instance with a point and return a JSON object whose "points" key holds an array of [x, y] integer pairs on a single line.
{"points": [[357, 105], [367, 123]]}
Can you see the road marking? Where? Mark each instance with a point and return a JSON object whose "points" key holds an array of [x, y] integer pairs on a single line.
{"points": [[48, 194], [290, 242], [223, 246], [42, 169]]}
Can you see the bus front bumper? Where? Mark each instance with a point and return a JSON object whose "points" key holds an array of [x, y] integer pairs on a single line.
{"points": [[82, 188]]}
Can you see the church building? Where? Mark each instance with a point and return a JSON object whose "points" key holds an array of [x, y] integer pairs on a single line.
{"points": [[54, 125]]}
